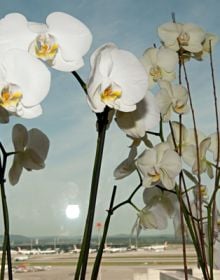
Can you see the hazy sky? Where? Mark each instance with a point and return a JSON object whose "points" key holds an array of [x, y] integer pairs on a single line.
{"points": [[37, 204]]}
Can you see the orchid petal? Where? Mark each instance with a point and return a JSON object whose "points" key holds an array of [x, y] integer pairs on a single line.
{"points": [[164, 103], [73, 37], [30, 112], [19, 137], [203, 146], [171, 162], [166, 180], [215, 139], [161, 148], [127, 166], [197, 36], [37, 27], [149, 58], [38, 142], [145, 117], [30, 74], [32, 161], [153, 218], [14, 33], [15, 170], [67, 66], [146, 160], [4, 115], [132, 78], [151, 195], [189, 154], [167, 59], [168, 33]]}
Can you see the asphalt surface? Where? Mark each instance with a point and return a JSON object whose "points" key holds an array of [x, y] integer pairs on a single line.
{"points": [[117, 266]]}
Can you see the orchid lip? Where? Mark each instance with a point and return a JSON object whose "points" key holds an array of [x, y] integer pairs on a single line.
{"points": [[10, 97], [44, 47]]}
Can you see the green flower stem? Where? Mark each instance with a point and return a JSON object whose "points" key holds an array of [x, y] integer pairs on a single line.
{"points": [[6, 234], [196, 243], [107, 221], [161, 130], [102, 123], [98, 259], [81, 82], [213, 214], [6, 246], [2, 276], [200, 225]]}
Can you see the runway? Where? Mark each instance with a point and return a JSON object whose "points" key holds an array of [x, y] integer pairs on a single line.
{"points": [[121, 266]]}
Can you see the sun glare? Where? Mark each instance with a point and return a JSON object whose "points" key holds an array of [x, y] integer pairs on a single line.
{"points": [[72, 211]]}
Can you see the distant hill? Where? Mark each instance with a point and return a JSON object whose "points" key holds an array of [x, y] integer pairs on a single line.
{"points": [[52, 241]]}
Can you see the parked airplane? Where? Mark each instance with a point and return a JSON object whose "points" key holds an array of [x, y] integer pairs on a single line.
{"points": [[92, 251], [157, 248], [24, 251], [47, 251], [28, 252], [75, 250], [109, 249], [21, 258]]}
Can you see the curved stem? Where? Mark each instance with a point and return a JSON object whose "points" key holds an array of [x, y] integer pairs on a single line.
{"points": [[107, 221], [97, 263], [213, 213], [80, 80]]}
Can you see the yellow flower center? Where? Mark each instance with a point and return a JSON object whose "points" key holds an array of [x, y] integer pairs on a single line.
{"points": [[110, 95], [46, 47], [203, 190], [156, 73], [9, 98], [179, 108], [154, 175], [183, 39]]}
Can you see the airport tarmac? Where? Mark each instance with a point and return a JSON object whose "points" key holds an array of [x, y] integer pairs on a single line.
{"points": [[132, 265]]}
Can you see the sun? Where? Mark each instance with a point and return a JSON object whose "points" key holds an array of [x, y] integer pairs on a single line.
{"points": [[72, 211]]}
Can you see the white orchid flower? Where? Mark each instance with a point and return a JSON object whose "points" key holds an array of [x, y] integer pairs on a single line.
{"points": [[172, 98], [145, 117], [24, 83], [202, 166], [31, 149], [185, 36], [159, 165], [61, 42], [188, 142], [160, 64], [117, 80]]}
